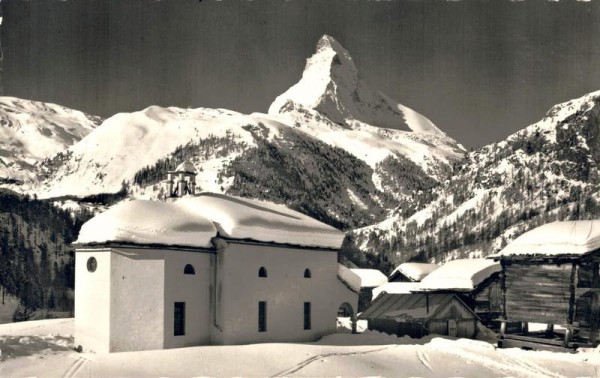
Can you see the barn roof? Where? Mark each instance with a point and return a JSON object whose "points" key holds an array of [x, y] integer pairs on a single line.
{"points": [[369, 277], [571, 238], [349, 278], [405, 307], [459, 275], [413, 271], [396, 288], [194, 220]]}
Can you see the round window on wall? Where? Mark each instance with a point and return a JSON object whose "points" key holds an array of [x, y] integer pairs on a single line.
{"points": [[92, 264]]}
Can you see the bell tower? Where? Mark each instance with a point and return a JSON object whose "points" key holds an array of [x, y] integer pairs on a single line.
{"points": [[182, 180]]}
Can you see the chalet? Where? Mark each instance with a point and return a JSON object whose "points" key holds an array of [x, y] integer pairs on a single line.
{"points": [[205, 269], [369, 279], [411, 272], [420, 314], [475, 281], [550, 275]]}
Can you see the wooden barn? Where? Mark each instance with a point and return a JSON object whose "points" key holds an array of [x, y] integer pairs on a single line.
{"points": [[411, 272], [417, 315], [369, 279], [475, 281], [550, 275]]}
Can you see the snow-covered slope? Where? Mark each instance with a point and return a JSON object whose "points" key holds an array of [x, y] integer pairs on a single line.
{"points": [[545, 172], [334, 104], [345, 174], [246, 155], [31, 131], [128, 142]]}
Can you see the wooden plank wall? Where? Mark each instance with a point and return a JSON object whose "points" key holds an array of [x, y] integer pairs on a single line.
{"points": [[488, 301], [538, 293], [466, 328]]}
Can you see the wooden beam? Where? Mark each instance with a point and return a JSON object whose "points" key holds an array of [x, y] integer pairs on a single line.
{"points": [[534, 339]]}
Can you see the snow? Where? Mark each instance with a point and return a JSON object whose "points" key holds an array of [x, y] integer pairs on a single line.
{"points": [[332, 103], [370, 277], [396, 288], [100, 162], [348, 277], [32, 131], [195, 220], [331, 85], [415, 271], [242, 218], [556, 238], [462, 274], [186, 167], [148, 222], [44, 351]]}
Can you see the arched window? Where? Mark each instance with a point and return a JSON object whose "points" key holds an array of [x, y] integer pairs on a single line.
{"points": [[189, 269], [307, 273], [262, 272]]}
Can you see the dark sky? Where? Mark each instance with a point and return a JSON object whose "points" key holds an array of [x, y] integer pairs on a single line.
{"points": [[478, 69]]}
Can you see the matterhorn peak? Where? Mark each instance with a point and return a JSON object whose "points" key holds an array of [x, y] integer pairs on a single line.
{"points": [[331, 85]]}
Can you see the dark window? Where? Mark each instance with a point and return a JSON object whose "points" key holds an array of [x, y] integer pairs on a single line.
{"points": [[262, 316], [262, 272], [92, 264], [179, 319], [307, 273], [189, 269], [306, 315]]}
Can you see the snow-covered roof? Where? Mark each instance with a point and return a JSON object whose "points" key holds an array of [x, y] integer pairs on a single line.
{"points": [[396, 288], [186, 167], [351, 279], [370, 277], [462, 275], [194, 220], [148, 222], [414, 271], [242, 218], [556, 239]]}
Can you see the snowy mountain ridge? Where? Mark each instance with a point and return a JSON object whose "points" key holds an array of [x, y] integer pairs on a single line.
{"points": [[547, 171], [376, 168], [32, 131], [331, 85], [332, 103]]}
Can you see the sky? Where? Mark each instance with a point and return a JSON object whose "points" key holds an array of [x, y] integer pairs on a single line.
{"points": [[480, 70]]}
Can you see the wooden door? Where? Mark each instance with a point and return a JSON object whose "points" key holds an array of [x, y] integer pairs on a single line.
{"points": [[452, 328]]}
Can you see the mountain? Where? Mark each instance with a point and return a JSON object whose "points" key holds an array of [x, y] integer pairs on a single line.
{"points": [[545, 172], [322, 159], [407, 152], [31, 131]]}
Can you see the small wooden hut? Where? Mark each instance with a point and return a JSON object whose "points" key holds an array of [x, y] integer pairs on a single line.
{"points": [[411, 272], [417, 315], [551, 275], [475, 281]]}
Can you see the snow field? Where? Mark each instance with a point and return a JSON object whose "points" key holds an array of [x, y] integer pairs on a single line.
{"points": [[366, 354]]}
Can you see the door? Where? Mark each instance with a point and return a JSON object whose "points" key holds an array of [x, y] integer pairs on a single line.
{"points": [[452, 328]]}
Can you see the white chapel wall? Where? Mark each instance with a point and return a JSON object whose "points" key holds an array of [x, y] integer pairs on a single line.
{"points": [[285, 289], [194, 290], [137, 299], [92, 301]]}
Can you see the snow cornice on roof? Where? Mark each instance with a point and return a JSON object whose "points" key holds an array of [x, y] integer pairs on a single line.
{"points": [[193, 221], [557, 241]]}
